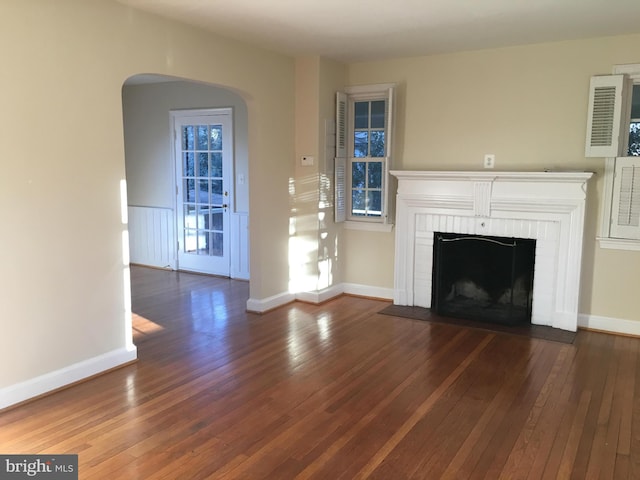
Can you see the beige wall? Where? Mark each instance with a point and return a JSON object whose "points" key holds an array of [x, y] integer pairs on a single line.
{"points": [[330, 246], [315, 258], [528, 106], [303, 241], [62, 290]]}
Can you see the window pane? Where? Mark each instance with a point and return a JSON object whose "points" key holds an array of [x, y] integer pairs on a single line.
{"points": [[216, 137], [190, 217], [361, 115], [203, 164], [634, 139], [203, 218], [189, 192], [374, 176], [374, 203], [377, 114], [634, 127], [216, 219], [187, 162], [377, 143], [203, 243], [190, 242], [358, 171], [216, 244], [187, 137], [203, 144], [635, 102], [216, 192], [203, 191], [360, 144], [216, 164], [358, 203]]}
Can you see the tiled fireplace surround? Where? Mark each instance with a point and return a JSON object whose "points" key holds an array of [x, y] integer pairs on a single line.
{"points": [[546, 206]]}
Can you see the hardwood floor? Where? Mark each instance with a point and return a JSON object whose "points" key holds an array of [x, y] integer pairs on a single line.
{"points": [[337, 391]]}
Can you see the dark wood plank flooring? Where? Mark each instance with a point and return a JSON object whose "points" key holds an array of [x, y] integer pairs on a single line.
{"points": [[337, 391]]}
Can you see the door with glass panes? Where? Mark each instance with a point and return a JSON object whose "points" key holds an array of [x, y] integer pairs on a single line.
{"points": [[203, 149]]}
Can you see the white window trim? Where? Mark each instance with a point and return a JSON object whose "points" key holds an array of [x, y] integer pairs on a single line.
{"points": [[385, 223], [619, 244], [368, 89], [605, 240], [368, 226]]}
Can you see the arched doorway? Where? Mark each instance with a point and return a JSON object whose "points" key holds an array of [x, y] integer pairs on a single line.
{"points": [[150, 160]]}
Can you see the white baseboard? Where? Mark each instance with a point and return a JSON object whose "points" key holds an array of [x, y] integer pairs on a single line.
{"points": [[269, 303], [368, 291], [65, 376], [608, 324], [594, 322], [319, 296]]}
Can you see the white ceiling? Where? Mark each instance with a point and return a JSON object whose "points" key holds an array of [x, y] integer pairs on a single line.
{"points": [[358, 30]]}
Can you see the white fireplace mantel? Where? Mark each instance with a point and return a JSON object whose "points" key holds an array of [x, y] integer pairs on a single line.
{"points": [[546, 206]]}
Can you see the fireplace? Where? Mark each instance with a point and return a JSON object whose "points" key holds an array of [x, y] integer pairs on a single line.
{"points": [[484, 278], [547, 207]]}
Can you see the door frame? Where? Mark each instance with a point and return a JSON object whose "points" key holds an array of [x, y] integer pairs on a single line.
{"points": [[191, 112]]}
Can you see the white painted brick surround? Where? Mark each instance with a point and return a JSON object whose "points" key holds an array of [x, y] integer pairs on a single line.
{"points": [[545, 206]]}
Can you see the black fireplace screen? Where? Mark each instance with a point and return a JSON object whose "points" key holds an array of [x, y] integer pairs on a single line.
{"points": [[483, 278]]}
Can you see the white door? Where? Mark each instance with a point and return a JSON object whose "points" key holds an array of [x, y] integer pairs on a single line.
{"points": [[204, 160]]}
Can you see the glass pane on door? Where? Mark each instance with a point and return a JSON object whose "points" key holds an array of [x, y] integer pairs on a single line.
{"points": [[204, 198]]}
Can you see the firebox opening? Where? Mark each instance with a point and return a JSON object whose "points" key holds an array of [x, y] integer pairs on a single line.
{"points": [[483, 278]]}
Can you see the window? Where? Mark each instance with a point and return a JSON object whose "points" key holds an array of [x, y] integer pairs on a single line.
{"points": [[634, 125], [363, 154], [367, 143], [614, 133]]}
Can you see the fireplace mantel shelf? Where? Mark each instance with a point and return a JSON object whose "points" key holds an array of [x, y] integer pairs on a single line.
{"points": [[484, 175], [545, 205]]}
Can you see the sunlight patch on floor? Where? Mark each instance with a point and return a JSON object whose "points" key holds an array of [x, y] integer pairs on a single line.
{"points": [[143, 326]]}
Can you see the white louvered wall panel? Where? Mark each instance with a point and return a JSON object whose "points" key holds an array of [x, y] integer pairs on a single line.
{"points": [[152, 239], [240, 255]]}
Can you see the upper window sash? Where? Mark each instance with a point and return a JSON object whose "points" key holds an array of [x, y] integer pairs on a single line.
{"points": [[365, 130]]}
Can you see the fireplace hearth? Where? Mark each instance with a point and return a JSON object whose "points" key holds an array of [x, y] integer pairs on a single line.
{"points": [[484, 278]]}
